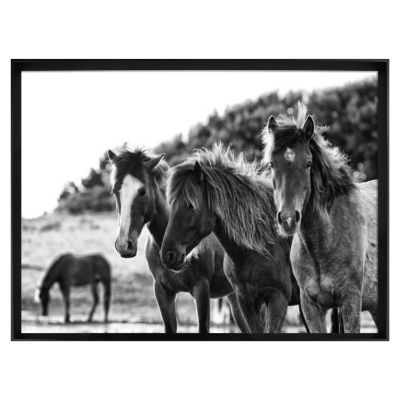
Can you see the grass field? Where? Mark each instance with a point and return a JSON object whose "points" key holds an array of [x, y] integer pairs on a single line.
{"points": [[133, 307]]}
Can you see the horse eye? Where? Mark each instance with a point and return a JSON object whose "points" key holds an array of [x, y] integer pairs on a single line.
{"points": [[271, 165], [142, 191], [308, 164], [190, 206]]}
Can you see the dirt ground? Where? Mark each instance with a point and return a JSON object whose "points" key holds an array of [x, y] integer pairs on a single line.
{"points": [[133, 307]]}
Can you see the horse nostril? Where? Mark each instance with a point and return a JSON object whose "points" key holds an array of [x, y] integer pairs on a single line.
{"points": [[129, 245], [170, 257], [298, 215], [279, 217]]}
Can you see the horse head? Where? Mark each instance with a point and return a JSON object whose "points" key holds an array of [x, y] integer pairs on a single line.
{"points": [[190, 220], [134, 185]]}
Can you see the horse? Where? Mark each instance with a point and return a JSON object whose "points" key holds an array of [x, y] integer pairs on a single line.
{"points": [[70, 270], [138, 184], [332, 219], [212, 191]]}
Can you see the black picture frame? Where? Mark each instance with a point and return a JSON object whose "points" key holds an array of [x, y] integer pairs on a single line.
{"points": [[381, 66]]}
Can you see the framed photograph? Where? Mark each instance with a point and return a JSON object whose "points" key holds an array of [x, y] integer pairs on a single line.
{"points": [[200, 199]]}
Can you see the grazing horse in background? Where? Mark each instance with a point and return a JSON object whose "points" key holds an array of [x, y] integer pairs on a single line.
{"points": [[138, 184], [333, 222], [214, 192], [69, 270]]}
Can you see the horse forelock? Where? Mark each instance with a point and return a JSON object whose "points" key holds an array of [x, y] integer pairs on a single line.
{"points": [[132, 163], [331, 174], [238, 192]]}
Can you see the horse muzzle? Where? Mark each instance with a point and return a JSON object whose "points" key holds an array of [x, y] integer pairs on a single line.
{"points": [[126, 248], [172, 259], [289, 222]]}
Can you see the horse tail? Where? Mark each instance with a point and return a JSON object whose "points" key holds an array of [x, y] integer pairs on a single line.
{"points": [[107, 285]]}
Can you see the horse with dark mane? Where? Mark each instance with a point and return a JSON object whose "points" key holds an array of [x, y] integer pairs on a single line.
{"points": [[212, 191], [69, 270], [332, 219], [138, 184]]}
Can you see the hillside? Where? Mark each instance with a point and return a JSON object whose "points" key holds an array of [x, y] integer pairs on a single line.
{"points": [[350, 112]]}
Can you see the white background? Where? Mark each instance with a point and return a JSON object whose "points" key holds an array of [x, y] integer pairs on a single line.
{"points": [[69, 119], [171, 29]]}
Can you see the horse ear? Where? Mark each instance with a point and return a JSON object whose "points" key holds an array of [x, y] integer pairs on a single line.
{"points": [[111, 156], [272, 124], [151, 163], [198, 171], [308, 127]]}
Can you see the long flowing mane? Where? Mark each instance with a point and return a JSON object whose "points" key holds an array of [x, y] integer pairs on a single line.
{"points": [[238, 192], [132, 162], [331, 175]]}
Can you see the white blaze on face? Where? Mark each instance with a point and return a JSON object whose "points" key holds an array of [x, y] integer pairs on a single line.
{"points": [[289, 155], [128, 192]]}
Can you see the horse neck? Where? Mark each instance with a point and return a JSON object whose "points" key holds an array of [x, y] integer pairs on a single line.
{"points": [[230, 246], [51, 277], [158, 224], [315, 227]]}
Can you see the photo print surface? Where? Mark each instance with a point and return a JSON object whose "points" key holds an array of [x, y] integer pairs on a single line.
{"points": [[238, 203]]}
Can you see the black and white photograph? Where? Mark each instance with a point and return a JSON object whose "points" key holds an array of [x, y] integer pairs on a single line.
{"points": [[199, 200], [187, 200]]}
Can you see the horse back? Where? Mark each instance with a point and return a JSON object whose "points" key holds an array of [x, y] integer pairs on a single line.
{"points": [[83, 270]]}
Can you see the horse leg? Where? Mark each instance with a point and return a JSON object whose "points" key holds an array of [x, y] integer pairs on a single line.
{"points": [[201, 294], [236, 313], [166, 304], [250, 314], [276, 312], [351, 312], [65, 290], [106, 298], [315, 316], [303, 318], [95, 295], [336, 321]]}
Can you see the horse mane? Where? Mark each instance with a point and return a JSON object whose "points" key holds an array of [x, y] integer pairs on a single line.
{"points": [[239, 193], [331, 175], [132, 162]]}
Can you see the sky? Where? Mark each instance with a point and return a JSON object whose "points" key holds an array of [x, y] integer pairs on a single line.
{"points": [[70, 118]]}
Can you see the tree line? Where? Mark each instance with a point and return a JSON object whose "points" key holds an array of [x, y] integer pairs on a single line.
{"points": [[350, 111]]}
